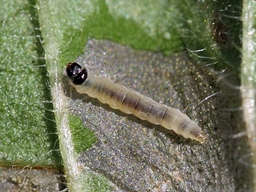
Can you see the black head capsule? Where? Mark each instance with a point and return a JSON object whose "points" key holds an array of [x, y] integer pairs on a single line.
{"points": [[76, 73]]}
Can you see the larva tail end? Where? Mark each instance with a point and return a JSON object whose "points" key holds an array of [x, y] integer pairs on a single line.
{"points": [[201, 137]]}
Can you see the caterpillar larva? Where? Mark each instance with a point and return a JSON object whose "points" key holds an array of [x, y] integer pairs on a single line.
{"points": [[131, 102]]}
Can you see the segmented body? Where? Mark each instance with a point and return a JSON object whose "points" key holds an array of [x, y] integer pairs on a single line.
{"points": [[129, 101]]}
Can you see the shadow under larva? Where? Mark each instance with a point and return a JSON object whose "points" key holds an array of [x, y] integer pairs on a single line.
{"points": [[129, 101]]}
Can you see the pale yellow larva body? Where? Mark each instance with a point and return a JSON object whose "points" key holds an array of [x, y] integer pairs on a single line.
{"points": [[129, 101]]}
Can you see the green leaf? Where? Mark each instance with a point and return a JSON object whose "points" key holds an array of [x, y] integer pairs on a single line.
{"points": [[82, 138], [38, 38], [28, 131]]}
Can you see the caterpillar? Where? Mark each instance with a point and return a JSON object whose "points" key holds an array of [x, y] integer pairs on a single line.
{"points": [[129, 101]]}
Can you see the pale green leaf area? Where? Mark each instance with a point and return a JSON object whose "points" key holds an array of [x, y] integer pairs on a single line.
{"points": [[39, 37]]}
